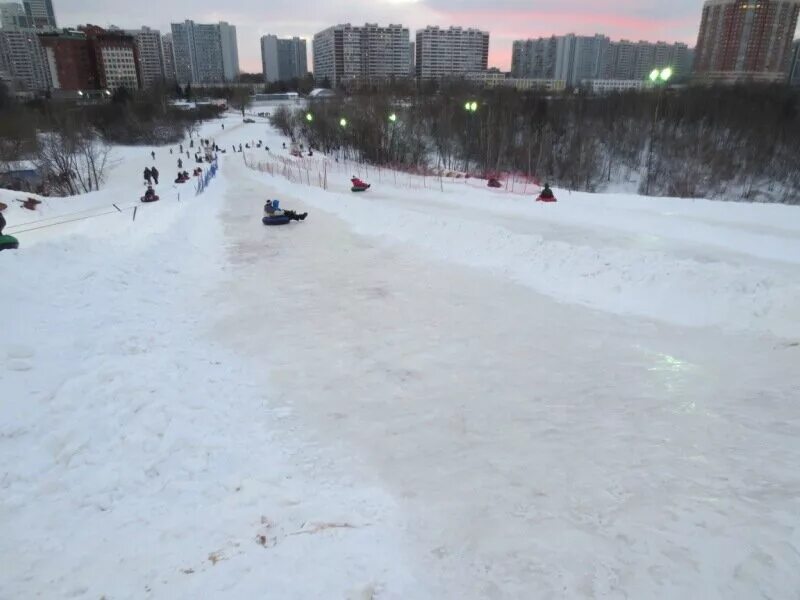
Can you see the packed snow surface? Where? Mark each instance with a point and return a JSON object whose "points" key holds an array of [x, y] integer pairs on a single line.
{"points": [[442, 391]]}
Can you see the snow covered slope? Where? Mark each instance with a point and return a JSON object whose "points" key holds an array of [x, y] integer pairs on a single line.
{"points": [[437, 394]]}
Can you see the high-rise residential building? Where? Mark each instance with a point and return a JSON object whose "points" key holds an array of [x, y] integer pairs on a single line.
{"points": [[794, 72], [534, 59], [169, 57], [283, 59], [204, 53], [92, 58], [576, 59], [579, 58], [628, 60], [745, 40], [570, 58], [230, 51], [12, 16], [40, 14], [451, 52], [151, 55], [70, 61], [116, 58], [345, 53], [23, 59]]}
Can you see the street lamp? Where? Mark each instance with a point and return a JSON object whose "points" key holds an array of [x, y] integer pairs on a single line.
{"points": [[658, 77], [309, 117], [661, 75], [393, 118], [471, 106], [343, 122]]}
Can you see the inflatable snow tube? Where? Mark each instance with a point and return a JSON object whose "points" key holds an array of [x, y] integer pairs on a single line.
{"points": [[540, 199], [8, 242], [359, 189], [277, 220], [153, 199]]}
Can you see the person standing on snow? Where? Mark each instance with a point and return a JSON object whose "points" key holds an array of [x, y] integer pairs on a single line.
{"points": [[153, 154], [148, 175], [180, 163], [154, 173], [2, 220]]}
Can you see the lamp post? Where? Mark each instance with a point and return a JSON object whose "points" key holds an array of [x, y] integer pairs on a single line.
{"points": [[659, 78], [392, 123], [471, 106]]}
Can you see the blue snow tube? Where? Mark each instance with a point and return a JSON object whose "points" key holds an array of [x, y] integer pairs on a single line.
{"points": [[276, 220]]}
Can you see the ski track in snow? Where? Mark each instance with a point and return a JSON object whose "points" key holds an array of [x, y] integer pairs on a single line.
{"points": [[447, 396]]}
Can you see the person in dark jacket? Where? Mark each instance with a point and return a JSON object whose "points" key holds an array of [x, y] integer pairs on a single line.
{"points": [[153, 154], [154, 173], [547, 193], [148, 175], [2, 222], [180, 164]]}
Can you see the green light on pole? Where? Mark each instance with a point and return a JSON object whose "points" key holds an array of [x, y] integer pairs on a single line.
{"points": [[309, 117], [662, 75], [343, 122], [393, 118]]}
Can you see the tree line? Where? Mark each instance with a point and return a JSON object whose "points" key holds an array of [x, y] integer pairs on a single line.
{"points": [[719, 142]]}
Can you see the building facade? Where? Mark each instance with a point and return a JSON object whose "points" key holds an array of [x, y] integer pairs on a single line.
{"points": [[169, 58], [204, 53], [151, 55], [230, 51], [23, 59], [283, 59], [12, 16], [576, 59], [534, 58], [92, 58], [451, 52], [70, 61], [745, 40], [344, 53], [495, 78], [40, 14], [627, 60]]}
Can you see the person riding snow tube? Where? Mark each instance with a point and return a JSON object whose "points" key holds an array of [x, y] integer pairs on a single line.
{"points": [[494, 183], [149, 195], [181, 178], [546, 195], [273, 215], [358, 185]]}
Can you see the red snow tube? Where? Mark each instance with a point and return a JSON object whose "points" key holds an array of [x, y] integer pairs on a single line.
{"points": [[494, 183], [551, 199], [146, 199]]}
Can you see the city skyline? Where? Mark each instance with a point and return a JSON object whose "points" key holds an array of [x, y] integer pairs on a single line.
{"points": [[506, 20]]}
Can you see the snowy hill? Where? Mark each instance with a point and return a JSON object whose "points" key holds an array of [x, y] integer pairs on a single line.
{"points": [[429, 390]]}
